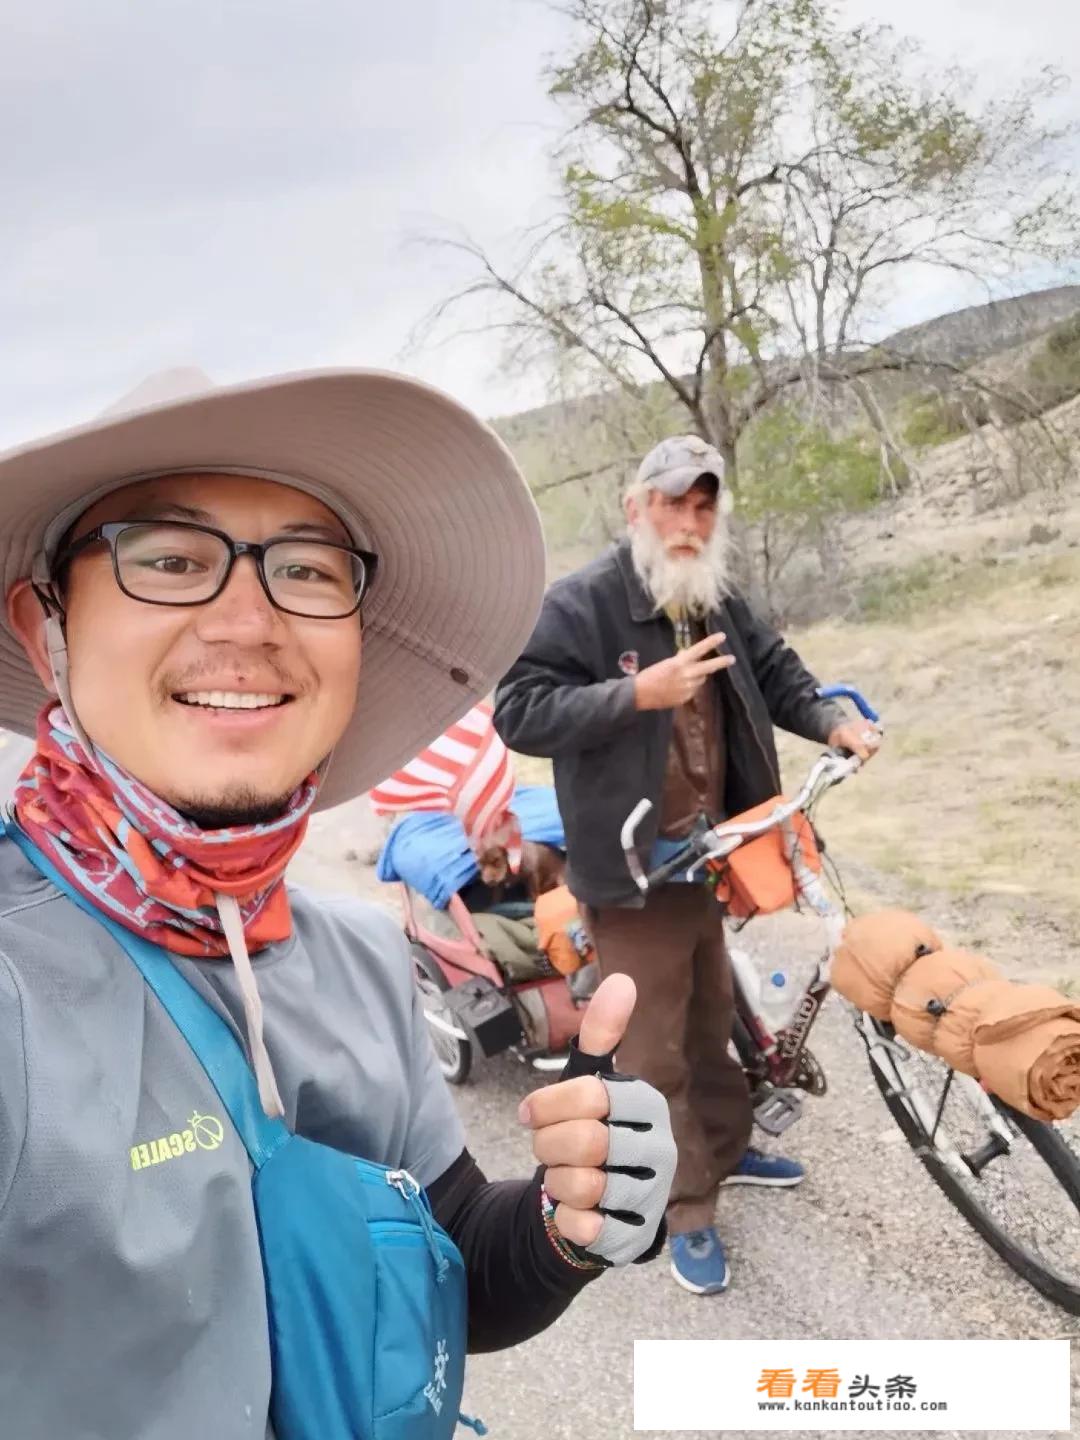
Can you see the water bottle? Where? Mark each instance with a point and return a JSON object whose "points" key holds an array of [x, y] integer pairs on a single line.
{"points": [[748, 976], [770, 996], [775, 1004]]}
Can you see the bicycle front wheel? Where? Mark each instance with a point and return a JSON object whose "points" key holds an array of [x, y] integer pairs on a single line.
{"points": [[453, 1054], [1014, 1179]]}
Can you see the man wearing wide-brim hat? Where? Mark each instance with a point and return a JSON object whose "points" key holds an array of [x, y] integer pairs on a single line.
{"points": [[227, 608]]}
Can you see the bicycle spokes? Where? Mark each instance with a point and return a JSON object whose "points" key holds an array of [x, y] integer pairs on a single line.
{"points": [[1016, 1180]]}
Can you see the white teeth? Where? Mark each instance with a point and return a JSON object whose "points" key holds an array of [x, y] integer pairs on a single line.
{"points": [[230, 699]]}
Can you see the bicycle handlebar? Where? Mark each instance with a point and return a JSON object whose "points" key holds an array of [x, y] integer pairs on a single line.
{"points": [[720, 840], [848, 692]]}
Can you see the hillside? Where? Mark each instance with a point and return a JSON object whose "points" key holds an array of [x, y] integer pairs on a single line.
{"points": [[975, 332], [962, 337], [969, 454], [979, 331]]}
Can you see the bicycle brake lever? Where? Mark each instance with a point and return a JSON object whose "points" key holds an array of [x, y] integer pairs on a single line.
{"points": [[627, 838]]}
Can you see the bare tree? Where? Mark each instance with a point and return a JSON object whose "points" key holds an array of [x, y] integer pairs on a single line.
{"points": [[735, 206]]}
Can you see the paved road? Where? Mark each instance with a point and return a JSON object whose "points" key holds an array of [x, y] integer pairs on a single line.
{"points": [[867, 1247]]}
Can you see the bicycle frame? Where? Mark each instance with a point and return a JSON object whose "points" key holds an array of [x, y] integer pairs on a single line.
{"points": [[781, 1057], [779, 1063], [885, 1051], [783, 1053]]}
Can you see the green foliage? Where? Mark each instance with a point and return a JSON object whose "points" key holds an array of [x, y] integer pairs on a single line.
{"points": [[1054, 371], [698, 227], [934, 418], [935, 583], [794, 469], [899, 594], [929, 424]]}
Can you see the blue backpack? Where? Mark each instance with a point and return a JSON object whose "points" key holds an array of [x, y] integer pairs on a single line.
{"points": [[365, 1293]]}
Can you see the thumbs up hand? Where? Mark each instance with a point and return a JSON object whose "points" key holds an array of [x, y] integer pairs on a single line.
{"points": [[605, 1138]]}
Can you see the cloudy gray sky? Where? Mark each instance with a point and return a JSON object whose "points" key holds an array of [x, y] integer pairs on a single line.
{"points": [[231, 183]]}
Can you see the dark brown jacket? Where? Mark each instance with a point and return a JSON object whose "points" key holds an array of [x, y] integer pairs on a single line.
{"points": [[570, 697]]}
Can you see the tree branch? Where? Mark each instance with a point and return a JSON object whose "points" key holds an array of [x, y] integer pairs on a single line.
{"points": [[583, 474], [690, 398]]}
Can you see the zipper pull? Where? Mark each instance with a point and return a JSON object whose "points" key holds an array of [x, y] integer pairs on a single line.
{"points": [[403, 1182], [472, 1423]]}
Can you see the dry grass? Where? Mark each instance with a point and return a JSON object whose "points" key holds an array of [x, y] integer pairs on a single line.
{"points": [[531, 771], [977, 793]]}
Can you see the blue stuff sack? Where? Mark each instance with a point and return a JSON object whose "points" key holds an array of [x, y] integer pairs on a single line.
{"points": [[366, 1293]]}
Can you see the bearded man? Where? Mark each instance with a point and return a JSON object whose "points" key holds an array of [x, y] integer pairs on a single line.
{"points": [[647, 675]]}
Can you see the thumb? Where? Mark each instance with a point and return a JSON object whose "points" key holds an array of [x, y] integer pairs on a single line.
{"points": [[608, 1014]]}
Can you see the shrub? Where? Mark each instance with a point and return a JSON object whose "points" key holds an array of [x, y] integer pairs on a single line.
{"points": [[935, 418], [791, 468], [1053, 373]]}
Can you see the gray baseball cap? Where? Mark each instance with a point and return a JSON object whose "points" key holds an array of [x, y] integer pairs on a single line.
{"points": [[677, 463]]}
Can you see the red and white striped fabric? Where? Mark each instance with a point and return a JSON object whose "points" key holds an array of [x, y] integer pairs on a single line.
{"points": [[465, 772]]}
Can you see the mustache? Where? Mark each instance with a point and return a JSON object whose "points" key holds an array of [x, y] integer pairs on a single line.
{"points": [[238, 671], [686, 542]]}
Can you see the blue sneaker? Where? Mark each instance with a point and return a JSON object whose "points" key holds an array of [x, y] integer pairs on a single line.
{"points": [[757, 1168], [698, 1262]]}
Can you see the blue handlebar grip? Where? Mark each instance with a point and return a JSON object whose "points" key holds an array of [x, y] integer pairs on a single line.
{"points": [[848, 692]]}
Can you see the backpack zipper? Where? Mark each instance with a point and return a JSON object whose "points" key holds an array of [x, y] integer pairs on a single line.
{"points": [[404, 1183]]}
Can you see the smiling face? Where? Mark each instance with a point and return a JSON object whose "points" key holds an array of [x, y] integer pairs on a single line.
{"points": [[221, 709]]}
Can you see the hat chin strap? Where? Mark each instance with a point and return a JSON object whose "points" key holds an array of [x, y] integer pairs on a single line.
{"points": [[56, 641], [228, 910], [233, 926]]}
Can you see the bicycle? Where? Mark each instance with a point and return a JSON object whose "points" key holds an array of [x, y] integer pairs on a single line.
{"points": [[1015, 1180]]}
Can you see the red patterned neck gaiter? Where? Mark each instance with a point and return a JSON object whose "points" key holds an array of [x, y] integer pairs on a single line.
{"points": [[140, 862]]}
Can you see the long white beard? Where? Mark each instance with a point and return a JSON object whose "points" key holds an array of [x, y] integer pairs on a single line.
{"points": [[696, 583]]}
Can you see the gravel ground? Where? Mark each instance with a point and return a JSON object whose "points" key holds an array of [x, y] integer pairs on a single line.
{"points": [[867, 1247]]}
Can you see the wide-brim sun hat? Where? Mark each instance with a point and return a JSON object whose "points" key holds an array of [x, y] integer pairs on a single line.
{"points": [[415, 476]]}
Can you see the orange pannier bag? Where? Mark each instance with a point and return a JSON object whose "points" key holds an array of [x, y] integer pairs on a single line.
{"points": [[560, 932], [756, 879]]}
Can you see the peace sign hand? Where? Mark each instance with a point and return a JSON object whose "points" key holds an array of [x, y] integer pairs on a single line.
{"points": [[672, 682]]}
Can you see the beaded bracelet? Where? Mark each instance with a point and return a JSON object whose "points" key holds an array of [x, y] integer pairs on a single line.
{"points": [[565, 1249]]}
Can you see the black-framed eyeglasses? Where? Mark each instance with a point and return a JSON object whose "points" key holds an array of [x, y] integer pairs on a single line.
{"points": [[174, 562]]}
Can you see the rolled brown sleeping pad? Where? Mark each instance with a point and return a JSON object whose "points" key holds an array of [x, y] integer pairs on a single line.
{"points": [[1027, 1049], [874, 953], [937, 1004], [1022, 1042]]}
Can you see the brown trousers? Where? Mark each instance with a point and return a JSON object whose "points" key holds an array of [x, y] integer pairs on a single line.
{"points": [[678, 1036]]}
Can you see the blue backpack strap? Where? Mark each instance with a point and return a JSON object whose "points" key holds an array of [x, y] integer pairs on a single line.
{"points": [[214, 1044]]}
